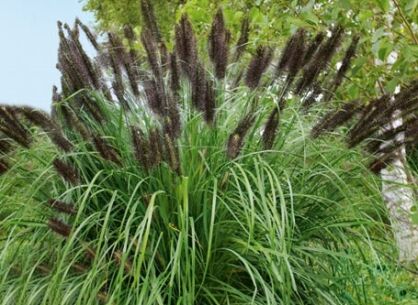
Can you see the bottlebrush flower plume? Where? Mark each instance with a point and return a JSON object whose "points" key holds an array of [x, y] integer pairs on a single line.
{"points": [[186, 48], [218, 46], [320, 60], [90, 36], [335, 118], [236, 139], [345, 65], [4, 167], [313, 47], [43, 120], [140, 146], [62, 207], [105, 150], [270, 129], [66, 171], [243, 39], [149, 19], [258, 66], [59, 227]]}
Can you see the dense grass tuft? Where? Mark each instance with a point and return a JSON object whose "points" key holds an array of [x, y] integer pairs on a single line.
{"points": [[189, 189], [288, 225]]}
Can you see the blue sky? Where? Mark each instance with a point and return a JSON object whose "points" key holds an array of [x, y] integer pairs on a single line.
{"points": [[28, 51]]}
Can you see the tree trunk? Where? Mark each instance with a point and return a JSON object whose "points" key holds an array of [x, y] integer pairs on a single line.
{"points": [[398, 195], [399, 199]]}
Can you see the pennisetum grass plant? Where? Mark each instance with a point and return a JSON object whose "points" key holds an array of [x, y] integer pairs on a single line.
{"points": [[174, 182]]}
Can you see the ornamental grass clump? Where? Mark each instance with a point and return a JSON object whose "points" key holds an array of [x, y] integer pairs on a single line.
{"points": [[168, 186]]}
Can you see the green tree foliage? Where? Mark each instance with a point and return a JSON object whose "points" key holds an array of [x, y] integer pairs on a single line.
{"points": [[112, 14], [277, 18]]}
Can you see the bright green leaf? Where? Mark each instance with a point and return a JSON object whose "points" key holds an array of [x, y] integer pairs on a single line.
{"points": [[383, 4]]}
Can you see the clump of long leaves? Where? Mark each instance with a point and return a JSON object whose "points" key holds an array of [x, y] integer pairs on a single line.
{"points": [[173, 186]]}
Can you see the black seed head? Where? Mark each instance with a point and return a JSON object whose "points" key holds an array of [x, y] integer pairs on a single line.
{"points": [[270, 129], [382, 162], [12, 127], [151, 48], [62, 207], [5, 145], [140, 146], [210, 103], [149, 19], [4, 167], [335, 118], [186, 47], [90, 36], [43, 120], [66, 171], [199, 84], [236, 139], [298, 53], [293, 53], [156, 150], [174, 74], [105, 150], [172, 154], [345, 65], [313, 47], [218, 45], [243, 39], [258, 66], [59, 227], [320, 60]]}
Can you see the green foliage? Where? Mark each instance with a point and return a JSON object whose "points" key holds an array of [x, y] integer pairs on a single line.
{"points": [[276, 18], [112, 14]]}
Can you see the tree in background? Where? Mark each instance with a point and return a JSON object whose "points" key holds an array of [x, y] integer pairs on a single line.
{"points": [[112, 14], [396, 42]]}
